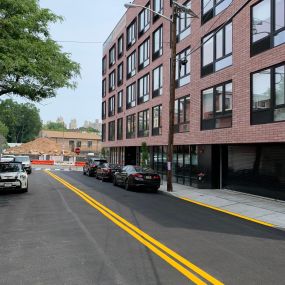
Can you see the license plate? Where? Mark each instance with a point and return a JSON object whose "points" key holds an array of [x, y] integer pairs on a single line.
{"points": [[148, 177], [8, 184]]}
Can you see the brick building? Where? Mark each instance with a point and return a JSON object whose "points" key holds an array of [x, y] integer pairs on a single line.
{"points": [[230, 101]]}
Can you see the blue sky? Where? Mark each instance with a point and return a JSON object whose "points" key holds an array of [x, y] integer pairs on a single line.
{"points": [[85, 20]]}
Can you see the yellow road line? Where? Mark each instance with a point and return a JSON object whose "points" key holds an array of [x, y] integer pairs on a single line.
{"points": [[145, 239], [228, 212]]}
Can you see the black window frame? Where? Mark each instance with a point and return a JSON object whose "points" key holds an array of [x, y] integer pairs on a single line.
{"points": [[155, 17], [182, 33], [144, 131], [111, 106], [266, 115], [103, 132], [112, 49], [111, 131], [104, 87], [146, 93], [156, 131], [145, 13], [180, 57], [104, 110], [131, 103], [133, 59], [159, 91], [210, 124], [120, 126], [120, 98], [104, 65], [265, 43], [112, 87], [146, 61], [158, 53], [120, 52], [132, 133], [211, 13], [129, 44], [120, 74], [182, 126]]}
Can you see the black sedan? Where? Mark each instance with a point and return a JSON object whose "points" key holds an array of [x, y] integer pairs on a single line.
{"points": [[106, 171], [137, 177]]}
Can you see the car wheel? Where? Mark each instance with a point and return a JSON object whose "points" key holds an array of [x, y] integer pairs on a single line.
{"points": [[115, 181], [84, 173], [127, 186], [96, 176]]}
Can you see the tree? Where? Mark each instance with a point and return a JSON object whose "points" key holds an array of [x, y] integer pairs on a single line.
{"points": [[144, 155], [55, 126], [22, 120], [32, 65], [3, 130]]}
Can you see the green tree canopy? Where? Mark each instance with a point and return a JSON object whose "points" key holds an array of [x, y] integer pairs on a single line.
{"points": [[22, 120], [32, 65], [54, 126], [3, 130]]}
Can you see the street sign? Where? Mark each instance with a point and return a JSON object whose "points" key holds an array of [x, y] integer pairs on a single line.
{"points": [[77, 150]]}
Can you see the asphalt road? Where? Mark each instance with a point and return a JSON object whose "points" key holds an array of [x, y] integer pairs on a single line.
{"points": [[51, 235]]}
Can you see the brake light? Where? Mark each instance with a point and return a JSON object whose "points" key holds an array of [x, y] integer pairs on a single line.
{"points": [[156, 177], [137, 175]]}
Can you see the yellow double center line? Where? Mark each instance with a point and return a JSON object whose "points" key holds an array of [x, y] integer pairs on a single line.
{"points": [[197, 276]]}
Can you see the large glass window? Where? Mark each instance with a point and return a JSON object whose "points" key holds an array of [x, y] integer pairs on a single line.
{"points": [[184, 24], [131, 65], [103, 87], [211, 8], [120, 129], [131, 96], [120, 46], [156, 120], [112, 56], [157, 43], [144, 20], [217, 50], [131, 34], [131, 126], [103, 110], [157, 81], [144, 54], [143, 89], [111, 106], [217, 107], [183, 68], [104, 65], [120, 102], [111, 131], [268, 95], [182, 114], [143, 123], [267, 25], [120, 74], [157, 7], [103, 132], [112, 81]]}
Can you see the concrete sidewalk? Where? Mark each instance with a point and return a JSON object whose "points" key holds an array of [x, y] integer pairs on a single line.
{"points": [[254, 207]]}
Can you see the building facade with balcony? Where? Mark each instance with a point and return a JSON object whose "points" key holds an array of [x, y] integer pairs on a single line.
{"points": [[230, 101]]}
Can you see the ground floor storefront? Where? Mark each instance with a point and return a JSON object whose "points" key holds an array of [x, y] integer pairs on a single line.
{"points": [[252, 168]]}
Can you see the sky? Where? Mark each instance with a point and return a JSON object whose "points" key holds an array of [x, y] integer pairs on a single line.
{"points": [[87, 21]]}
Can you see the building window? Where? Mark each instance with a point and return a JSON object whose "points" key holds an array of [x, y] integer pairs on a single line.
{"points": [[111, 106], [131, 65], [183, 24], [104, 65], [217, 50], [131, 96], [112, 56], [143, 123], [144, 20], [267, 25], [111, 131], [104, 110], [143, 54], [120, 75], [120, 46], [157, 81], [89, 144], [131, 126], [268, 95], [78, 144], [120, 102], [143, 89], [103, 132], [131, 34], [156, 120], [157, 7], [182, 114], [112, 81], [183, 68], [217, 107], [120, 129], [104, 88], [211, 8], [157, 43]]}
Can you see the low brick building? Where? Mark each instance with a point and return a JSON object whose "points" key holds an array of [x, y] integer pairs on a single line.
{"points": [[230, 101]]}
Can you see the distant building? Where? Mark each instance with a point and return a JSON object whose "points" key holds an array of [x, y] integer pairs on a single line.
{"points": [[60, 120], [87, 142], [73, 124]]}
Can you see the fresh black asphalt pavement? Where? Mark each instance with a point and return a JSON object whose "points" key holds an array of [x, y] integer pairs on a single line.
{"points": [[52, 236]]}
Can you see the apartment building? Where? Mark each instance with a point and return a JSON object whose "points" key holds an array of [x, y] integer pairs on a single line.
{"points": [[230, 101]]}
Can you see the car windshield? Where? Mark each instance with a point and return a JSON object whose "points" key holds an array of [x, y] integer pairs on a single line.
{"points": [[142, 170], [22, 158], [10, 167]]}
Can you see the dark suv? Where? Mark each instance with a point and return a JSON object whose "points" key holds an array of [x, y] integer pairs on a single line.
{"points": [[91, 164]]}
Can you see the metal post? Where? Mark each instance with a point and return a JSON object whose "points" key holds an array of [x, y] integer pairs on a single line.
{"points": [[172, 98]]}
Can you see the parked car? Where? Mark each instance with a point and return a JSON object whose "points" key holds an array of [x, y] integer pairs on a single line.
{"points": [[137, 177], [13, 176], [25, 160], [106, 171], [7, 157], [91, 164]]}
